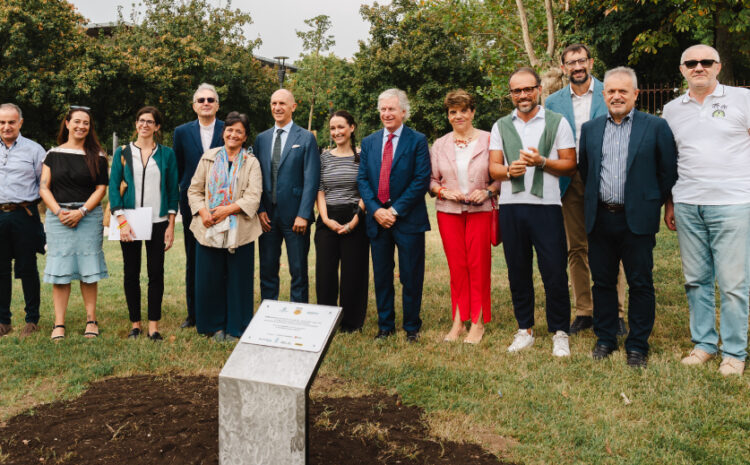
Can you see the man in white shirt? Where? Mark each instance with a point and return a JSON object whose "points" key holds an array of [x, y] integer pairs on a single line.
{"points": [[710, 206], [529, 150], [580, 102], [191, 140]]}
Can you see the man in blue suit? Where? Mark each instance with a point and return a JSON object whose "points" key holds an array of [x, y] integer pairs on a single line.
{"points": [[628, 163], [394, 175], [290, 162], [190, 141], [579, 102]]}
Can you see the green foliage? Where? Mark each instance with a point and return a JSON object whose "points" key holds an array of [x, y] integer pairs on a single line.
{"points": [[48, 63], [411, 48]]}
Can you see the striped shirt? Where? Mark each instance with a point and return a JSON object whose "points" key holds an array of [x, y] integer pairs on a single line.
{"points": [[615, 160], [338, 179]]}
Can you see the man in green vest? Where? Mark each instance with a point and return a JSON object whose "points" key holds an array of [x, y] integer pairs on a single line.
{"points": [[529, 150]]}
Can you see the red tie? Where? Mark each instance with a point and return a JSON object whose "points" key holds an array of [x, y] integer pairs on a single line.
{"points": [[384, 186]]}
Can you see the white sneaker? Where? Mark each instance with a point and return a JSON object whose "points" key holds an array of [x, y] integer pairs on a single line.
{"points": [[522, 340], [560, 347]]}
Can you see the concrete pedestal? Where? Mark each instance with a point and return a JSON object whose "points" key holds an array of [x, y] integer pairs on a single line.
{"points": [[263, 394]]}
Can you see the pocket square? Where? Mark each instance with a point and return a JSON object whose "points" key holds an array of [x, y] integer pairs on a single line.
{"points": [[295, 146]]}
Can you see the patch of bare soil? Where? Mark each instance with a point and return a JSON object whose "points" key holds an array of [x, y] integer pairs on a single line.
{"points": [[159, 420]]}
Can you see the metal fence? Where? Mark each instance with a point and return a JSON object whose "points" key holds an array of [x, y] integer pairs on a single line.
{"points": [[653, 97]]}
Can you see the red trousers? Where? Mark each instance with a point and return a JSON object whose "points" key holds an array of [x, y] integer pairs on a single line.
{"points": [[466, 240]]}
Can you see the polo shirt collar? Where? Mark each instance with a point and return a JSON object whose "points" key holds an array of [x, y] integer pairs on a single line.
{"points": [[719, 91], [539, 114]]}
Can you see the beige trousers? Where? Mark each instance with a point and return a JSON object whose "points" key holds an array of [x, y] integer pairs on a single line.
{"points": [[578, 249]]}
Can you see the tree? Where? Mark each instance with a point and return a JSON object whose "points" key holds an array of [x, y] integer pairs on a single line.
{"points": [[313, 66], [410, 48], [651, 34], [44, 62]]}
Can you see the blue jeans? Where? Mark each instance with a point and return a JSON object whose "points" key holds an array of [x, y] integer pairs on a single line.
{"points": [[715, 246]]}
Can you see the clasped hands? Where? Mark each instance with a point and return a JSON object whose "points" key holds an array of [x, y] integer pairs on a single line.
{"points": [[477, 197], [341, 229], [215, 215], [70, 218], [529, 157]]}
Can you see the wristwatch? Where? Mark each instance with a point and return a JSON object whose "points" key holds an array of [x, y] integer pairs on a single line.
{"points": [[84, 211], [393, 210]]}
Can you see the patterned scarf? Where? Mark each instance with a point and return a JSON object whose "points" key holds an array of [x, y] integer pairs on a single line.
{"points": [[222, 184]]}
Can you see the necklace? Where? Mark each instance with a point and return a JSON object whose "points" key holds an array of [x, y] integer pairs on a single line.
{"points": [[462, 143]]}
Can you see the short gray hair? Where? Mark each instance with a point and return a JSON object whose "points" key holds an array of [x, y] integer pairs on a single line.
{"points": [[12, 106], [206, 86], [693, 47], [403, 100], [622, 70]]}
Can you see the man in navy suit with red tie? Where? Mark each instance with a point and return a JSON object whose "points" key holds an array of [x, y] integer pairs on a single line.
{"points": [[394, 175], [191, 140]]}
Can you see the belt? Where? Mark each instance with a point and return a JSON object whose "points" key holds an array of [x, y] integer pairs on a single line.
{"points": [[612, 207], [11, 207]]}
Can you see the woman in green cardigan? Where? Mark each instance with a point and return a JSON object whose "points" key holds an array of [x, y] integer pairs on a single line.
{"points": [[144, 174]]}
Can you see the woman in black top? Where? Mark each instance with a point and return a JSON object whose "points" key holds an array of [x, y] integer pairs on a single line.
{"points": [[74, 180], [340, 232]]}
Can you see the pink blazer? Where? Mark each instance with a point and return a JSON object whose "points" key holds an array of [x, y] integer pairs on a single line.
{"points": [[445, 172]]}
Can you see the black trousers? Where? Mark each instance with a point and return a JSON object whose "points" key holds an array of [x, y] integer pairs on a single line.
{"points": [[131, 259], [609, 242], [526, 228], [190, 242], [21, 238], [348, 287]]}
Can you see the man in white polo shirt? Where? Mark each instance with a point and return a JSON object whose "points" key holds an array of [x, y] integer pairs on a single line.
{"points": [[711, 206], [529, 150]]}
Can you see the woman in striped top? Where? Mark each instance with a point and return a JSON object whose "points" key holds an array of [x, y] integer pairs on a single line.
{"points": [[340, 236]]}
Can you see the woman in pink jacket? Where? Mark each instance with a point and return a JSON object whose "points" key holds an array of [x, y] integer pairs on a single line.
{"points": [[463, 187]]}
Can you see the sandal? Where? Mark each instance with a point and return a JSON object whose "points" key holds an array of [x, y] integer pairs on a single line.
{"points": [[91, 334], [57, 338]]}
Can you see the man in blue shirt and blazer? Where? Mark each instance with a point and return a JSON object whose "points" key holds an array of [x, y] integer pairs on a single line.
{"points": [[628, 163], [290, 163], [394, 175], [191, 140]]}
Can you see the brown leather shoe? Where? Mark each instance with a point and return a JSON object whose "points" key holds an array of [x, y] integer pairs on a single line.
{"points": [[5, 329], [28, 330]]}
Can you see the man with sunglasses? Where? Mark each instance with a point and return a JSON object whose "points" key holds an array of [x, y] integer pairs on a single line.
{"points": [[529, 150], [191, 140], [21, 232], [579, 102], [710, 207]]}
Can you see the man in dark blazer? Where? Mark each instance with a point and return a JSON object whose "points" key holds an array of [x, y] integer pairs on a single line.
{"points": [[628, 163], [190, 141], [393, 194], [290, 162]]}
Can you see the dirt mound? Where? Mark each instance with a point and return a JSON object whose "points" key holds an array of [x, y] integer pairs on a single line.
{"points": [[174, 420]]}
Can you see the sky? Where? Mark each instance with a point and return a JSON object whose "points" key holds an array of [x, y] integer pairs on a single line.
{"points": [[274, 21]]}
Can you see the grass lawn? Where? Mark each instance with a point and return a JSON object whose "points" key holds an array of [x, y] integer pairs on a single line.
{"points": [[529, 408]]}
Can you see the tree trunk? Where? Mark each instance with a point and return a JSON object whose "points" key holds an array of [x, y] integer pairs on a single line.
{"points": [[550, 28], [309, 119], [723, 45], [525, 31]]}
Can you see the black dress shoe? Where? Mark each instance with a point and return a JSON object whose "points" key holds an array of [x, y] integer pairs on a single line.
{"points": [[622, 328], [637, 359], [155, 336], [581, 323], [601, 351], [412, 336], [382, 334], [134, 333], [188, 323]]}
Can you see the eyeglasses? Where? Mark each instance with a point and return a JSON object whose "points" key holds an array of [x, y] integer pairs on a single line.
{"points": [[580, 61], [147, 122], [525, 90], [205, 99], [691, 64], [79, 107]]}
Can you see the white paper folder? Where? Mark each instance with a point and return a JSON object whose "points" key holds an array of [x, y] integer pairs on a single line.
{"points": [[139, 221]]}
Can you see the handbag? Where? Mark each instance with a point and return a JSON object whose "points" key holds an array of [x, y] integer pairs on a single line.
{"points": [[496, 236]]}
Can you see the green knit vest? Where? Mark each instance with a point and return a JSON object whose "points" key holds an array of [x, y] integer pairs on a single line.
{"points": [[512, 146]]}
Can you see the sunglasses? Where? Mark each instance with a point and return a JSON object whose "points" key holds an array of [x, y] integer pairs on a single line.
{"points": [[691, 64], [205, 99]]}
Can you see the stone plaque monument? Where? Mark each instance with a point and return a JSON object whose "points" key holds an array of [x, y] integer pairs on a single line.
{"points": [[263, 388]]}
